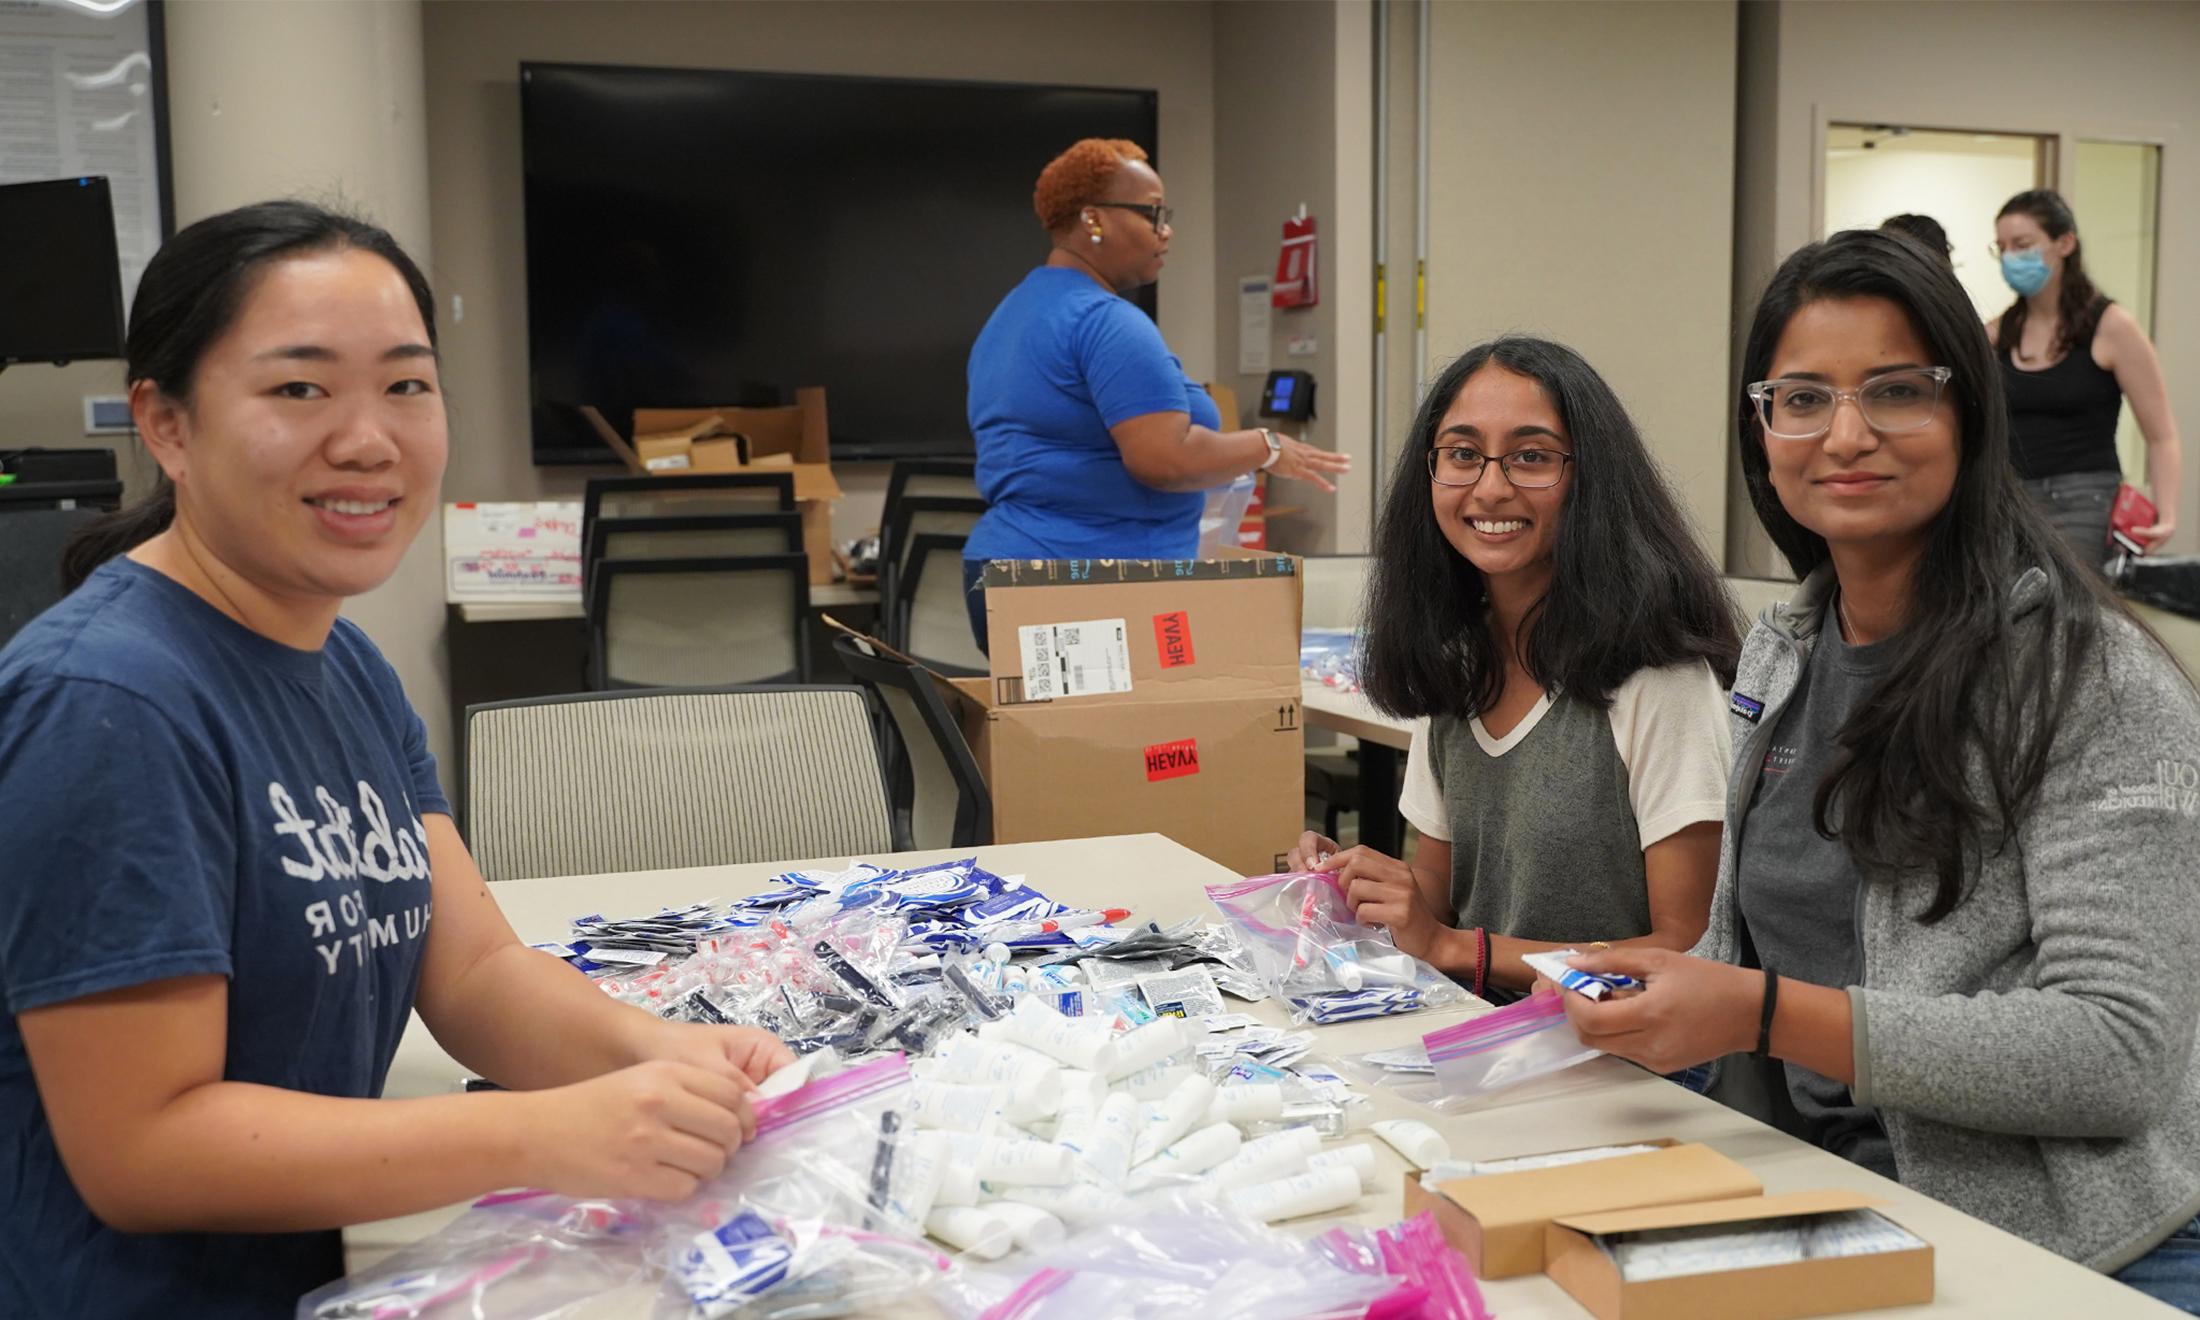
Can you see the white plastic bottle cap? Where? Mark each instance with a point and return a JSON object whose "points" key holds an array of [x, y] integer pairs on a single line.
{"points": [[1034, 1229], [1421, 1145], [979, 1233]]}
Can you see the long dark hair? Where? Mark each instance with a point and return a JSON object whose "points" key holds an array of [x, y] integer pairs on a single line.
{"points": [[1631, 588], [1967, 686], [2078, 305], [188, 297]]}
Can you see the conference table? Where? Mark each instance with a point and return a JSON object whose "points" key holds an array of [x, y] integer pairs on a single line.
{"points": [[1383, 743], [1980, 1270]]}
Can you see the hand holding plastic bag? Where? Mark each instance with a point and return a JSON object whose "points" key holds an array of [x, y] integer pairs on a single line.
{"points": [[1299, 932]]}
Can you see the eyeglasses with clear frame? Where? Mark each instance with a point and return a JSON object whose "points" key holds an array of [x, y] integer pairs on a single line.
{"points": [[1156, 213], [1896, 401], [1529, 469]]}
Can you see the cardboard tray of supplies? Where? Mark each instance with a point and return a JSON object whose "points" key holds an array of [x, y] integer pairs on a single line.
{"points": [[1497, 1220], [1820, 1286]]}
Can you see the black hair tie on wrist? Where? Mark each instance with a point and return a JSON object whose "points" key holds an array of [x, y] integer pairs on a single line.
{"points": [[1764, 1016]]}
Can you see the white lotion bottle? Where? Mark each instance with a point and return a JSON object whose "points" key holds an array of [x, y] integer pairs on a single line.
{"points": [[1177, 1114], [971, 1230], [1314, 1192], [1421, 1145]]}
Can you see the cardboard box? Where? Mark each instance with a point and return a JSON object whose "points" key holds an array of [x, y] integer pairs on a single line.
{"points": [[1497, 1220], [685, 441], [1162, 696], [1765, 1292]]}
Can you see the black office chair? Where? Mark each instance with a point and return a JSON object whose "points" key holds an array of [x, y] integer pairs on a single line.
{"points": [[944, 794], [699, 622], [30, 562], [929, 615], [952, 477], [700, 536], [690, 495], [909, 517]]}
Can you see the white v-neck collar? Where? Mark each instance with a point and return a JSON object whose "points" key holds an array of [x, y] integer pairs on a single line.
{"points": [[1500, 746]]}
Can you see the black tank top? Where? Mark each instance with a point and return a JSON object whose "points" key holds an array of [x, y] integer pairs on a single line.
{"points": [[2063, 419]]}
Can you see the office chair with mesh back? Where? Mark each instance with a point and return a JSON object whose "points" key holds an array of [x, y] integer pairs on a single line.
{"points": [[692, 495], [704, 536], [954, 477], [913, 516], [688, 622], [668, 777], [949, 805], [931, 619]]}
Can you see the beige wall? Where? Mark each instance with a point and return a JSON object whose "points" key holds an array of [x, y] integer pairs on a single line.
{"points": [[2101, 68], [1582, 177], [1282, 139]]}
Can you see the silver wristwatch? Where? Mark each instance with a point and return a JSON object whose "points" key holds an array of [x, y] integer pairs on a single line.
{"points": [[1275, 448]]}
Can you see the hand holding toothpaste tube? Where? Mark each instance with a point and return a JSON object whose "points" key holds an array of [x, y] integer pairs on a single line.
{"points": [[1693, 1010]]}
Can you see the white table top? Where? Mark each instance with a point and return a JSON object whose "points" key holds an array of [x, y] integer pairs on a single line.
{"points": [[1351, 713], [1981, 1271], [822, 595]]}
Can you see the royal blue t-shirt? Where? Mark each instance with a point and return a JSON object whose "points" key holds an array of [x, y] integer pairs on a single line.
{"points": [[1060, 361], [180, 796]]}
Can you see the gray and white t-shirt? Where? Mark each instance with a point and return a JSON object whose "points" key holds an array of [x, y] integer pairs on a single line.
{"points": [[1799, 891], [1548, 824]]}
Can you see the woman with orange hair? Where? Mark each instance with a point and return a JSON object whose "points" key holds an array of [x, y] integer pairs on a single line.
{"points": [[1092, 442]]}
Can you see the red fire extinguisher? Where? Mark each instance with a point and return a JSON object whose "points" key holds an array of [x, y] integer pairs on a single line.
{"points": [[1297, 282]]}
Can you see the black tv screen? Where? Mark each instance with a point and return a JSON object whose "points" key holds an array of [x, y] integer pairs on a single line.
{"points": [[60, 278], [700, 237]]}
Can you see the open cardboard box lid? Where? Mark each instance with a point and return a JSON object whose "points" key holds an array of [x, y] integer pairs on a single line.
{"points": [[1675, 1172], [1734, 1210]]}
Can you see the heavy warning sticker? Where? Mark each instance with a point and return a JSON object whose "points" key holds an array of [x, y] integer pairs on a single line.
{"points": [[1172, 638], [1172, 760], [1074, 659]]}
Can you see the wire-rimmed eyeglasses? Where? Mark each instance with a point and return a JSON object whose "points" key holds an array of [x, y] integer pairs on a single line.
{"points": [[1529, 469]]}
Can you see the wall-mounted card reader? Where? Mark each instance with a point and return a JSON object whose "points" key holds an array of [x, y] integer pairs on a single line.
{"points": [[1289, 395]]}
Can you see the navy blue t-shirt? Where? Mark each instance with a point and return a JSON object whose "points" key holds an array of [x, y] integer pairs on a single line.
{"points": [[180, 796], [1059, 362]]}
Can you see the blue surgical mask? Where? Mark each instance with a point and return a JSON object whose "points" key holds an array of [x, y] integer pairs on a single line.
{"points": [[2025, 271]]}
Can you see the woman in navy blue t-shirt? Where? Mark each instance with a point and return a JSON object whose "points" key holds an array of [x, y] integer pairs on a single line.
{"points": [[1092, 442], [226, 841]]}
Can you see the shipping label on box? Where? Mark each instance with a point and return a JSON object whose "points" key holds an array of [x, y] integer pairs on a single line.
{"points": [[1074, 659]]}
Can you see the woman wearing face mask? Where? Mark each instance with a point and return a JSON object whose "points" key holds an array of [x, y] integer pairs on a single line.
{"points": [[1092, 442], [1540, 599], [1953, 938], [226, 840], [2069, 358]]}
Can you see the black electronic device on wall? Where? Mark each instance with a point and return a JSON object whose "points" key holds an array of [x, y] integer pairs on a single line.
{"points": [[60, 275], [1288, 395]]}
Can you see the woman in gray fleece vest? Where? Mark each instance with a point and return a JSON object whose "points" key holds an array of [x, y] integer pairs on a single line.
{"points": [[1954, 935]]}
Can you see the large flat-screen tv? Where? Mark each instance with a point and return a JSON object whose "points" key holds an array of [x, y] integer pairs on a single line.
{"points": [[699, 237], [60, 276]]}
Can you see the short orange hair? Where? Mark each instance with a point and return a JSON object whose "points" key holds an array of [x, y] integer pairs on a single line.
{"points": [[1079, 177]]}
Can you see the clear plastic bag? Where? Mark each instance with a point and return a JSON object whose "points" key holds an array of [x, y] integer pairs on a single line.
{"points": [[820, 1214], [513, 1256], [1179, 1255], [1298, 932], [1502, 1048], [1331, 657], [1222, 514]]}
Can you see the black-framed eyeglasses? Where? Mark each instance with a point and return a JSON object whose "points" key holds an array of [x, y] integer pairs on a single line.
{"points": [[1896, 401], [1529, 469], [1156, 214]]}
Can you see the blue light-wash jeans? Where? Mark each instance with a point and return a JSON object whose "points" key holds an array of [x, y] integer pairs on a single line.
{"points": [[2171, 1272]]}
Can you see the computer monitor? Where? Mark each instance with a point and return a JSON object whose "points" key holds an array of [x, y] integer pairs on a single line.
{"points": [[60, 276]]}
